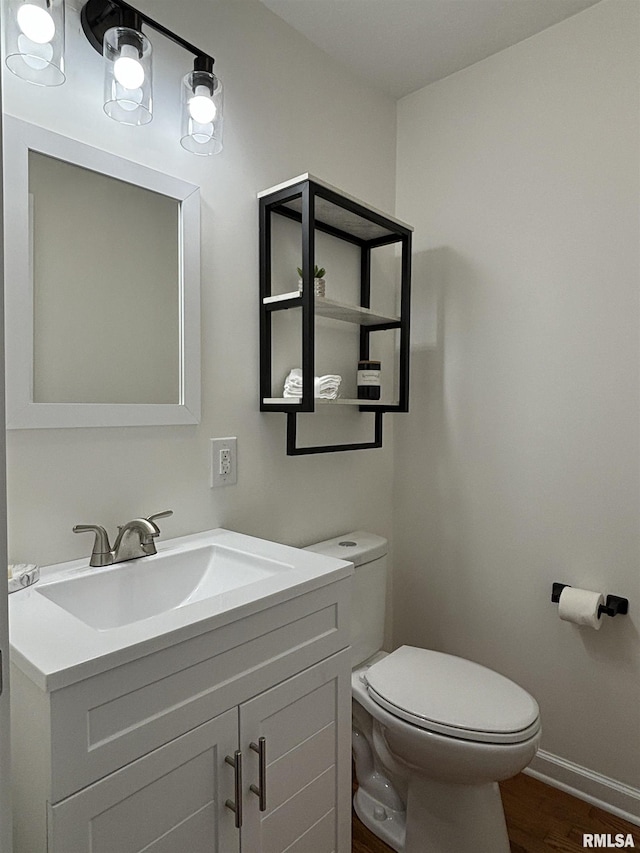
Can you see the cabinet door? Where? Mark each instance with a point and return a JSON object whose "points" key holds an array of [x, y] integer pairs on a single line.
{"points": [[306, 723], [172, 799]]}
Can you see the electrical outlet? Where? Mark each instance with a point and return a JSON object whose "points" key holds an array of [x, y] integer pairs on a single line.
{"points": [[224, 462], [224, 468]]}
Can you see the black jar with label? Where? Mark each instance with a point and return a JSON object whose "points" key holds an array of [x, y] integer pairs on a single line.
{"points": [[368, 380]]}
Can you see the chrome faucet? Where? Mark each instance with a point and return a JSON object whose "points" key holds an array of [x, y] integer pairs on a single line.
{"points": [[135, 539]]}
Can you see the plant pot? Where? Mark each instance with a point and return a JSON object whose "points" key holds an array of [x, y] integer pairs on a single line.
{"points": [[318, 286]]}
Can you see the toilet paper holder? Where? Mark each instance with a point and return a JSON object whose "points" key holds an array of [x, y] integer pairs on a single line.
{"points": [[613, 605]]}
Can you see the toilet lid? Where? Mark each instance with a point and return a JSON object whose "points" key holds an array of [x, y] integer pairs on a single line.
{"points": [[452, 696]]}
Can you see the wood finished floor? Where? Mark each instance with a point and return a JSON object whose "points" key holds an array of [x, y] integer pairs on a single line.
{"points": [[539, 819]]}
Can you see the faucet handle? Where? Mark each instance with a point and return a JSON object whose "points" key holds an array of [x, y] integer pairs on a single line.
{"points": [[101, 554], [165, 514], [146, 541]]}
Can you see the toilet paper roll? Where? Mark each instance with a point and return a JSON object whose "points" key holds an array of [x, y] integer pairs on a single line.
{"points": [[580, 606]]}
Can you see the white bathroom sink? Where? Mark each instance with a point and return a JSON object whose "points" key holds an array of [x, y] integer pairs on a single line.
{"points": [[137, 589], [77, 621]]}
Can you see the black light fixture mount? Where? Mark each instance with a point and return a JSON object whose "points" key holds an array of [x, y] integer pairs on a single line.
{"points": [[98, 16], [202, 71]]}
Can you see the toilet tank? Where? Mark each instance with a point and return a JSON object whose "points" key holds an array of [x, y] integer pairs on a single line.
{"points": [[368, 553]]}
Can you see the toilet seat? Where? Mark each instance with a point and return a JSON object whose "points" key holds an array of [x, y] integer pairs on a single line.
{"points": [[452, 696]]}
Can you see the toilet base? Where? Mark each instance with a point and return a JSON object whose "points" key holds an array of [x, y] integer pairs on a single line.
{"points": [[448, 818], [388, 824], [444, 819]]}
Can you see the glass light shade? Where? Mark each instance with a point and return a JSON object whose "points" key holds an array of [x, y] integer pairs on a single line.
{"points": [[34, 40], [127, 76], [201, 113]]}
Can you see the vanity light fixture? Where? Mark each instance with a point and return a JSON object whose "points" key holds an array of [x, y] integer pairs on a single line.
{"points": [[202, 109], [34, 46], [114, 29], [127, 71]]}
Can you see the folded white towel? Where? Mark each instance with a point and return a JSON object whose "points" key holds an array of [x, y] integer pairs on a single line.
{"points": [[324, 387], [328, 395], [21, 575], [293, 383]]}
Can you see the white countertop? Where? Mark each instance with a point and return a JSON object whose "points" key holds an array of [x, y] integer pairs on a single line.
{"points": [[54, 648]]}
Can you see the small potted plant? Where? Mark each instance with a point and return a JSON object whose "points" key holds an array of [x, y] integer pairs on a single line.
{"points": [[318, 280]]}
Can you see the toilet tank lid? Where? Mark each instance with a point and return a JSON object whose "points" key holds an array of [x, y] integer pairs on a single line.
{"points": [[359, 547]]}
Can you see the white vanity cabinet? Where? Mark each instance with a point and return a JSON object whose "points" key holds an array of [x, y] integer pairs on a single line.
{"points": [[134, 758]]}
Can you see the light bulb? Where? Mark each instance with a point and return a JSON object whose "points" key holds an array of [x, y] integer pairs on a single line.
{"points": [[127, 69], [36, 23], [201, 107]]}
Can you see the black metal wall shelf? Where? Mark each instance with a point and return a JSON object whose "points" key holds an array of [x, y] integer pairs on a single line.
{"points": [[318, 206]]}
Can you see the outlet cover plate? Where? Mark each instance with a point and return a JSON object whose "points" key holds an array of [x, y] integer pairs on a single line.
{"points": [[217, 477]]}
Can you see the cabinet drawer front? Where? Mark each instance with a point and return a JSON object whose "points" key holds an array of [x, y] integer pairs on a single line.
{"points": [[172, 799], [104, 722]]}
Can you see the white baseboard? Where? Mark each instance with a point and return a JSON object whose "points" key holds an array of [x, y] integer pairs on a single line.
{"points": [[601, 791]]}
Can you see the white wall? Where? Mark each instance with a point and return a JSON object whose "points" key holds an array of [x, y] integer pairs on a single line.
{"points": [[288, 110], [518, 465]]}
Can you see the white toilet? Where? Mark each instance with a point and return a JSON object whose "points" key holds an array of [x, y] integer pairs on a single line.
{"points": [[432, 733]]}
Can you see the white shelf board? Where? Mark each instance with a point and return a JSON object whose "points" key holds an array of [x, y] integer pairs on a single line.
{"points": [[350, 313], [308, 177], [337, 310], [341, 401], [281, 297]]}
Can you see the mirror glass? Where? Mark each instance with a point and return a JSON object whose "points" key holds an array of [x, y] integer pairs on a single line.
{"points": [[102, 277], [117, 303]]}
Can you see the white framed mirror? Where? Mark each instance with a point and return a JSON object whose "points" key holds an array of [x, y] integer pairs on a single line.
{"points": [[102, 287]]}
